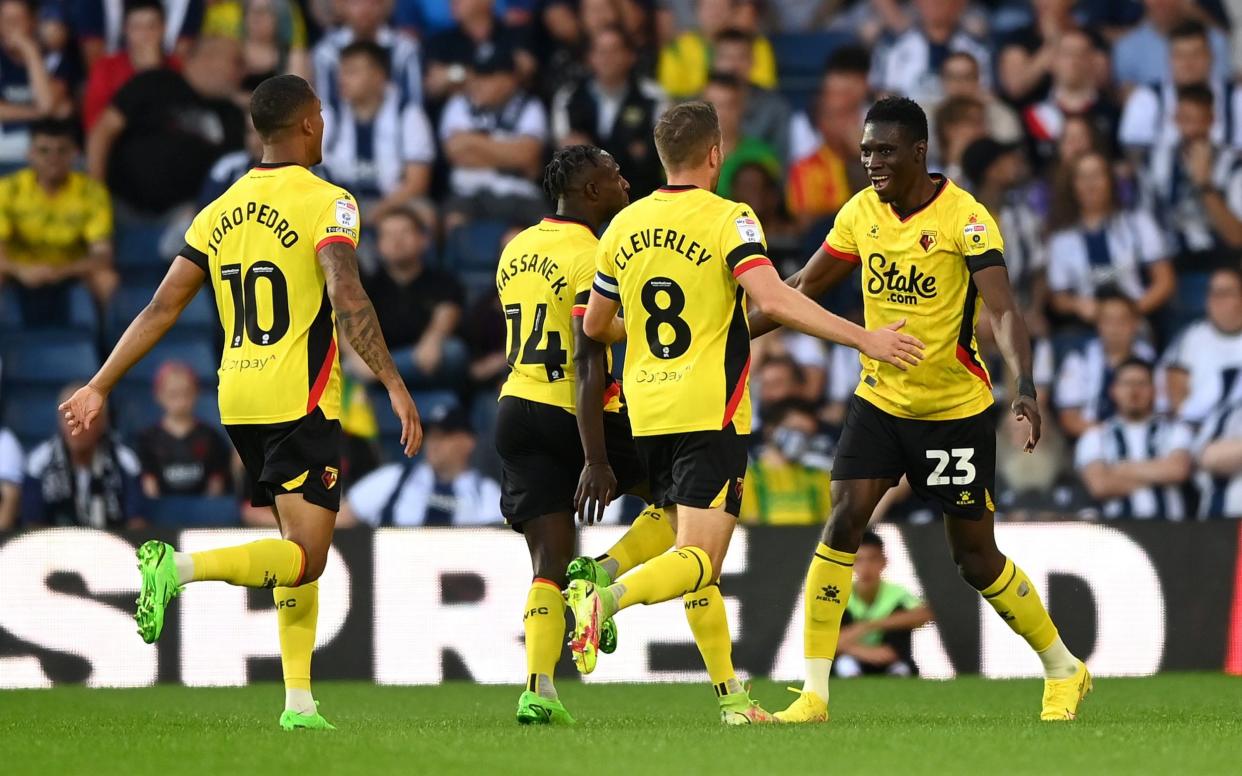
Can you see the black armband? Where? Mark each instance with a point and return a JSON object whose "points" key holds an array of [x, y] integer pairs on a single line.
{"points": [[1026, 387]]}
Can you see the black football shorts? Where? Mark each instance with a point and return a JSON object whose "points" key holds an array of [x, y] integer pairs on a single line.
{"points": [[703, 469], [950, 462], [297, 456], [541, 458]]}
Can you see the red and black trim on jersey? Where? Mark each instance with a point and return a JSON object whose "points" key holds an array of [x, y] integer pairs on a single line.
{"points": [[560, 219], [736, 358], [676, 188], [580, 303], [966, 334], [842, 255], [942, 183], [989, 258], [320, 353], [196, 256], [746, 257]]}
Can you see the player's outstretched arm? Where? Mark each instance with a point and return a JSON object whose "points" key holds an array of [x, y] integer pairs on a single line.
{"points": [[1014, 342], [356, 318], [822, 272], [788, 307], [179, 286], [597, 484]]}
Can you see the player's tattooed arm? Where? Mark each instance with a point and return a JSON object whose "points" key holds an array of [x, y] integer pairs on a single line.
{"points": [[355, 317], [1014, 341], [822, 272], [597, 484]]}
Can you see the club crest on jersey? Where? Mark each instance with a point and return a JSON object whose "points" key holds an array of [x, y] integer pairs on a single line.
{"points": [[346, 213], [748, 229], [330, 476], [927, 240]]}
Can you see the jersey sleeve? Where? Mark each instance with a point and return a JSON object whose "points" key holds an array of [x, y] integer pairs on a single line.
{"points": [[580, 281], [1180, 437], [605, 281], [840, 241], [338, 222], [979, 237], [197, 238], [742, 242]]}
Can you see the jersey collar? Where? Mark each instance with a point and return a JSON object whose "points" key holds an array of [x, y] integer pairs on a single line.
{"points": [[673, 188], [942, 183], [274, 165], [560, 219]]}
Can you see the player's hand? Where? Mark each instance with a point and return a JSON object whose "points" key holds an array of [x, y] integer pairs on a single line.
{"points": [[596, 487], [1026, 408], [81, 409], [891, 346], [411, 427]]}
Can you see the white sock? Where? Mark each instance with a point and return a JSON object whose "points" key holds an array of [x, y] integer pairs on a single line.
{"points": [[818, 669], [1059, 662], [300, 701], [185, 567], [545, 688]]}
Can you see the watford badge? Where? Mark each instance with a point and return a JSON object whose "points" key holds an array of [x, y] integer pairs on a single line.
{"points": [[329, 477], [927, 240]]}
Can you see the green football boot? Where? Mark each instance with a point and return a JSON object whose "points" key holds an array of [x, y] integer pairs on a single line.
{"points": [[534, 709], [159, 586], [293, 720], [590, 570]]}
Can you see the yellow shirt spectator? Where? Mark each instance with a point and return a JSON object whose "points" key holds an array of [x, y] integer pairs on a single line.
{"points": [[56, 228], [779, 492], [684, 64]]}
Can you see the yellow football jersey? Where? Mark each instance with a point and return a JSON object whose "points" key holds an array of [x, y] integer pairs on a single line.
{"points": [[258, 243], [543, 280], [672, 260], [919, 268], [57, 228]]}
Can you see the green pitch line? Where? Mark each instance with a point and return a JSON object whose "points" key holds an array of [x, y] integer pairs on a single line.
{"points": [[1185, 723]]}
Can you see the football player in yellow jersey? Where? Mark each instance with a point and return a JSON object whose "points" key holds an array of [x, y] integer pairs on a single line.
{"points": [[278, 249], [930, 256], [683, 262]]}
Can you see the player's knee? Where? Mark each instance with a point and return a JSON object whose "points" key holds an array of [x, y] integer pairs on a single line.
{"points": [[316, 562], [549, 564], [977, 565], [843, 531]]}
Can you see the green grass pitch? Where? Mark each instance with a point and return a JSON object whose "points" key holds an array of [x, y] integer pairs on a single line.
{"points": [[1184, 723]]}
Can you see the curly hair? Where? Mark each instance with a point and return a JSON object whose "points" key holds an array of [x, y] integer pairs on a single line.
{"points": [[567, 166]]}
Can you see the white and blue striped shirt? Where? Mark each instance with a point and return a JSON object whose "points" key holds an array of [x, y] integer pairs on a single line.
{"points": [[404, 61], [1117, 440], [1219, 496], [369, 158]]}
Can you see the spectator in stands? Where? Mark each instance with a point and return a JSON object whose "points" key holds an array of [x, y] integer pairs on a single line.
{"points": [[1218, 453], [493, 136], [759, 185], [418, 307], [1097, 244], [368, 20], [272, 34], [477, 34], [686, 61], [1073, 91], [89, 479], [778, 379], [436, 488], [377, 145], [28, 91], [229, 168], [998, 176], [878, 620], [615, 108], [55, 228], [62, 55], [1203, 363], [728, 94], [767, 115], [960, 77], [12, 465], [1196, 187], [781, 488], [835, 116], [143, 51], [157, 141], [102, 29], [181, 455], [1148, 119], [1135, 464], [1144, 55], [1083, 389], [959, 121], [1029, 55], [910, 64]]}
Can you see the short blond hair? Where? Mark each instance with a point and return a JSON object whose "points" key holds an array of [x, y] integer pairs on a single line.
{"points": [[686, 133]]}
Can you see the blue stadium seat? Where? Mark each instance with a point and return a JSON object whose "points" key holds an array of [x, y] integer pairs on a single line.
{"points": [[10, 314], [137, 410], [30, 413], [194, 511], [195, 351], [198, 318], [474, 246], [138, 244], [82, 311], [800, 59], [49, 357], [428, 402]]}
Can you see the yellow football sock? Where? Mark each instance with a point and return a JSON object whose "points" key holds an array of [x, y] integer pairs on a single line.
{"points": [[1014, 598], [265, 563], [705, 611], [828, 585], [663, 578], [544, 623], [648, 536], [297, 614]]}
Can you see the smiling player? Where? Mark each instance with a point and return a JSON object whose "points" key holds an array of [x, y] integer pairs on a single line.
{"points": [[930, 253]]}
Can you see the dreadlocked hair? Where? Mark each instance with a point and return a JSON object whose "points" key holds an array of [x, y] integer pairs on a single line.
{"points": [[566, 165]]}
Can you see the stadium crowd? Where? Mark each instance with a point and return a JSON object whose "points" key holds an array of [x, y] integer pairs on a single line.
{"points": [[1105, 136]]}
